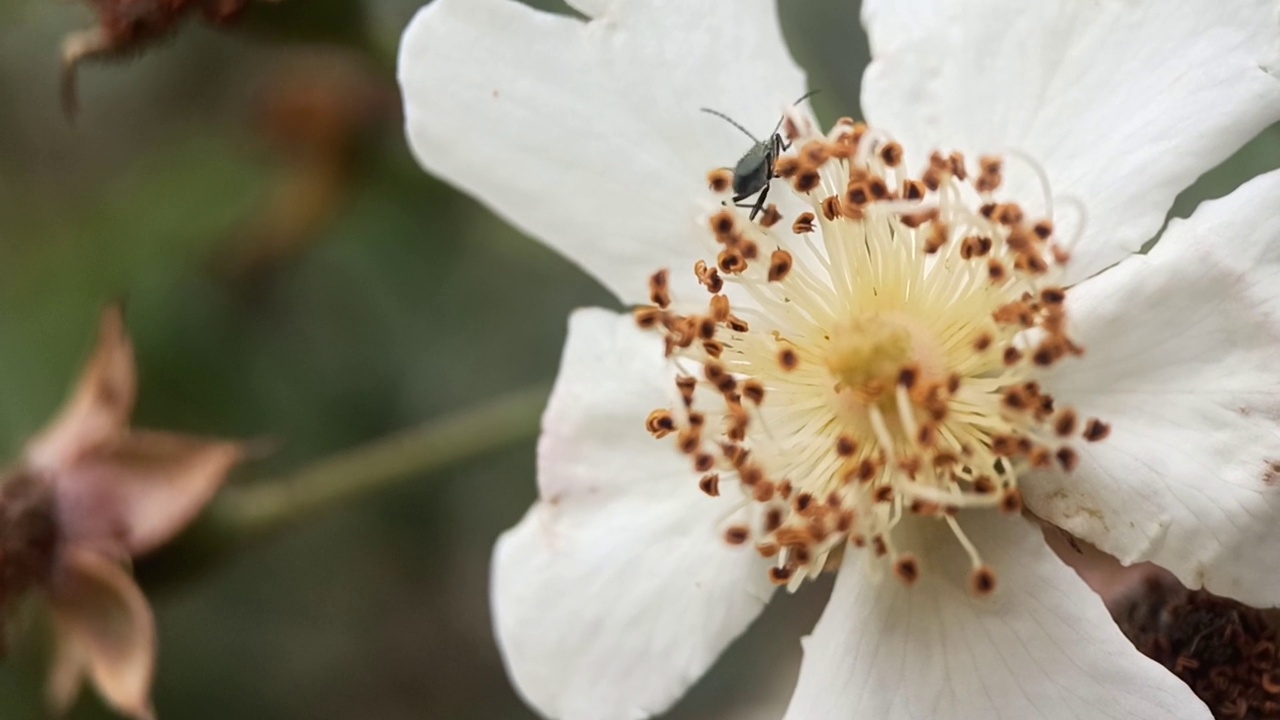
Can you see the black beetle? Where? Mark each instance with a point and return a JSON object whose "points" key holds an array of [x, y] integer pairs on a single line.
{"points": [[754, 170]]}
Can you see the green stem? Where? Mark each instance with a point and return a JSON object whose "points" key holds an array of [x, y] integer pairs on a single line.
{"points": [[242, 515], [267, 506]]}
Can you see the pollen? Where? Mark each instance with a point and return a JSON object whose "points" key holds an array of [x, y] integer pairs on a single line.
{"points": [[871, 355]]}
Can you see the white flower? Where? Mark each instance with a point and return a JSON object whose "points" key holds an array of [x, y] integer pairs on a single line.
{"points": [[893, 369]]}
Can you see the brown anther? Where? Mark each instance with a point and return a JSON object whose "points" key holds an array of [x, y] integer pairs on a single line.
{"points": [[857, 194], [768, 550], [786, 166], [831, 208], [807, 180], [750, 475], [883, 494], [708, 277], [697, 419], [867, 470], [1067, 458], [878, 545], [710, 484], [688, 441], [907, 569], [749, 250], [660, 423], [706, 328], [913, 190], [846, 446], [771, 216], [753, 390], [719, 308], [891, 154], [983, 485], [803, 502], [932, 179], [1095, 430], [731, 262], [937, 239], [982, 342], [803, 224], [737, 535], [814, 153], [785, 488], [1007, 214], [975, 246], [1011, 356], [908, 376], [982, 581], [1053, 296], [1065, 423], [686, 385], [702, 462], [1011, 501], [780, 264], [927, 435], [724, 224], [1045, 355], [788, 359], [1015, 399], [736, 324], [1031, 262], [1043, 229], [763, 491], [996, 271], [772, 520], [780, 575], [877, 187], [1040, 458], [647, 317], [990, 173], [713, 348], [720, 180]]}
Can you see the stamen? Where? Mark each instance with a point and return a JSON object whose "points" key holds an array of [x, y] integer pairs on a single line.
{"points": [[899, 321]]}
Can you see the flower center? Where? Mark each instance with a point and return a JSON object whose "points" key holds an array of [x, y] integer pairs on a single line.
{"points": [[873, 359]]}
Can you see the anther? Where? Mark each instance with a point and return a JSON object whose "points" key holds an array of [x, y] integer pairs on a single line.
{"points": [[788, 359], [846, 446], [659, 289], [1065, 423], [737, 535], [982, 581], [1067, 458], [660, 423], [891, 154], [780, 575], [771, 216], [753, 390], [647, 317], [780, 264], [1011, 501], [710, 484], [723, 223], [907, 568], [1096, 430], [702, 462], [719, 308], [720, 180], [831, 208], [803, 224], [996, 271], [807, 180], [731, 262], [913, 190]]}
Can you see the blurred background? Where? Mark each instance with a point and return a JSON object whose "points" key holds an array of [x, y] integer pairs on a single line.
{"points": [[291, 274]]}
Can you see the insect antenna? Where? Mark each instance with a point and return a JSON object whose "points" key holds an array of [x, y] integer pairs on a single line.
{"points": [[799, 100], [731, 121]]}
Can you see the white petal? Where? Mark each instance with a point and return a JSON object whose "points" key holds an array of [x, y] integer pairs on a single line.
{"points": [[617, 590], [1183, 360], [1123, 103], [1043, 647], [588, 135]]}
